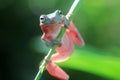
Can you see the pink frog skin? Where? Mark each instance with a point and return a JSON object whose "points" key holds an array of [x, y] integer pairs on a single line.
{"points": [[51, 25]]}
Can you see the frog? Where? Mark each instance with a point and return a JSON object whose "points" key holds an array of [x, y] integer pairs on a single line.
{"points": [[51, 25]]}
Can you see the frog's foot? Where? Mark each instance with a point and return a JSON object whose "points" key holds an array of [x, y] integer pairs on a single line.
{"points": [[68, 16], [49, 43], [56, 41], [56, 71], [46, 60], [53, 42]]}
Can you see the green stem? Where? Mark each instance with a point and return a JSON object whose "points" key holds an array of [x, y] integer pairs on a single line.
{"points": [[73, 6], [42, 66]]}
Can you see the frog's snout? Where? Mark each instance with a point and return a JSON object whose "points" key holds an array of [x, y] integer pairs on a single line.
{"points": [[42, 18]]}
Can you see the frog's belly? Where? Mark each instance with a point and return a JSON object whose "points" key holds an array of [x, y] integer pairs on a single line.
{"points": [[56, 31], [55, 35]]}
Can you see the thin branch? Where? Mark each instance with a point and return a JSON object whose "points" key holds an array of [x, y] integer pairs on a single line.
{"points": [[42, 66], [70, 12], [73, 6]]}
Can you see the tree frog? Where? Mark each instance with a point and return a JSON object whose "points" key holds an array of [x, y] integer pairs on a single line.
{"points": [[51, 26]]}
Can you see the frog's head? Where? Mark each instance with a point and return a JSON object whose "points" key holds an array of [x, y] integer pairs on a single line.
{"points": [[52, 18]]}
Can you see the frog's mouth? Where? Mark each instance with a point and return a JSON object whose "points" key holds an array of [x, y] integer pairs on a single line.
{"points": [[41, 24]]}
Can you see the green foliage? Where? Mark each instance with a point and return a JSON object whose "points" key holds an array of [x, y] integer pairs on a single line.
{"points": [[94, 62]]}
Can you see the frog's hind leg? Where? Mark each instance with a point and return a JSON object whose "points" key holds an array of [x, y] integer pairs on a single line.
{"points": [[56, 71], [64, 51], [75, 35]]}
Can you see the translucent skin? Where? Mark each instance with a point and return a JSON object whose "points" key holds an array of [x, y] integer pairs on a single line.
{"points": [[66, 47], [64, 51], [75, 35], [56, 71], [50, 33]]}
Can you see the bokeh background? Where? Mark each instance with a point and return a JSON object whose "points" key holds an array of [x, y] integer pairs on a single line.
{"points": [[22, 50]]}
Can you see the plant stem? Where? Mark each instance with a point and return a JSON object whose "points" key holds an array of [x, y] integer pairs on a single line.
{"points": [[42, 66], [73, 6]]}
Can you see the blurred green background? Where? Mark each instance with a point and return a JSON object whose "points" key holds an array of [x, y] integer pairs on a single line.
{"points": [[21, 49]]}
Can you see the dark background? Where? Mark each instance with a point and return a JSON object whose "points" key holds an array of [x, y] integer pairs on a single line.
{"points": [[99, 22]]}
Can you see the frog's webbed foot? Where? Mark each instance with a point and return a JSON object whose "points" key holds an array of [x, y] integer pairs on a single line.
{"points": [[46, 60], [56, 41], [53, 42], [68, 16], [66, 21]]}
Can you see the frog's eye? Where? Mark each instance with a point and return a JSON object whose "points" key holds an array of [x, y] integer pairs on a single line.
{"points": [[42, 19], [60, 12]]}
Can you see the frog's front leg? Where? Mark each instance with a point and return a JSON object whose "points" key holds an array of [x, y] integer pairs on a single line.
{"points": [[68, 15], [66, 21], [51, 42]]}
